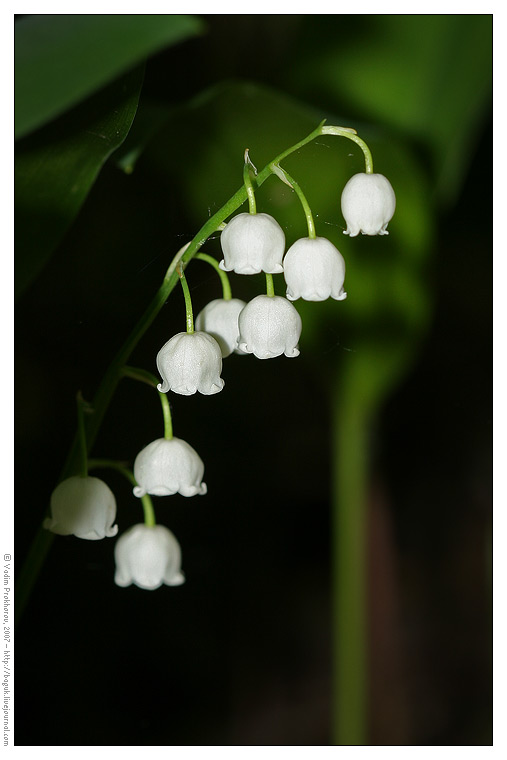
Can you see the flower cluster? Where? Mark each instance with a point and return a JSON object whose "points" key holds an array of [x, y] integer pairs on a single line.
{"points": [[147, 554]]}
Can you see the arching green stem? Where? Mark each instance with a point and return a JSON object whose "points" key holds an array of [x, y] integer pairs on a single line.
{"points": [[146, 377], [270, 287], [149, 512], [351, 134], [44, 538], [188, 301], [285, 177], [226, 285]]}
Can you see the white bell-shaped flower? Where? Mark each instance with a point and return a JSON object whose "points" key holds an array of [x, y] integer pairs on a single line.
{"points": [[368, 204], [269, 326], [83, 507], [314, 270], [165, 467], [190, 362], [252, 243], [148, 556], [219, 318]]}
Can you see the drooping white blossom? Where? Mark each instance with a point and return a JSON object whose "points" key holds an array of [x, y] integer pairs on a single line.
{"points": [[252, 243], [269, 326], [368, 203], [190, 362], [148, 556], [165, 467], [219, 318], [83, 507], [314, 270]]}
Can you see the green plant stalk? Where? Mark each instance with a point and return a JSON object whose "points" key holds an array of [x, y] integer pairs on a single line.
{"points": [[285, 177], [351, 134], [270, 287], [166, 411], [43, 539], [252, 206], [226, 285], [188, 301], [349, 557], [149, 512]]}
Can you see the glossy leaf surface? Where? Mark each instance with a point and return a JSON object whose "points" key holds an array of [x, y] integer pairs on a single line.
{"points": [[56, 167], [62, 59]]}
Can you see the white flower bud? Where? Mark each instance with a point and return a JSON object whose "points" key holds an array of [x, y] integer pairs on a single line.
{"points": [[148, 556], [269, 326], [166, 467], [368, 203], [83, 507], [190, 362], [219, 318], [252, 243], [314, 270]]}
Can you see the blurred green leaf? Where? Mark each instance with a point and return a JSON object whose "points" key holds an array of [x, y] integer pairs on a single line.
{"points": [[56, 167], [61, 59], [426, 76]]}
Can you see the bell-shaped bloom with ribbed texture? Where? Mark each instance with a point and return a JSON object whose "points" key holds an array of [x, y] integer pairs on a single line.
{"points": [[368, 204], [148, 556], [314, 270], [252, 243], [219, 318], [165, 467], [190, 362], [83, 507], [269, 326]]}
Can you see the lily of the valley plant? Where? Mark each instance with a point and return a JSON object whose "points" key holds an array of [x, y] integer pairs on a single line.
{"points": [[147, 554]]}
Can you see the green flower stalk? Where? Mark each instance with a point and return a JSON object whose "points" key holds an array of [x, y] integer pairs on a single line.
{"points": [[149, 512], [291, 182]]}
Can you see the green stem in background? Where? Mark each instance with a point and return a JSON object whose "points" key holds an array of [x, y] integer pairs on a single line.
{"points": [[252, 207], [351, 134], [83, 449], [270, 288], [44, 538], [226, 285], [149, 512], [285, 177], [146, 377], [349, 557], [188, 301]]}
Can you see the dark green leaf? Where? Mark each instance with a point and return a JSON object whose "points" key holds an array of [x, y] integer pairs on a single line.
{"points": [[61, 59], [56, 167]]}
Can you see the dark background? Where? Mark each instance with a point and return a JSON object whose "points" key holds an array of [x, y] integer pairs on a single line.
{"points": [[241, 653]]}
